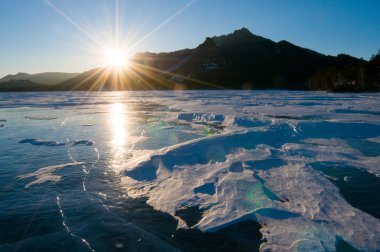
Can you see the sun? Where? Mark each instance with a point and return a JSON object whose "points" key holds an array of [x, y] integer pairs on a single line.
{"points": [[116, 59]]}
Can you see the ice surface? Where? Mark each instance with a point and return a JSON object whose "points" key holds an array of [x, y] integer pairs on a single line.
{"points": [[249, 156]]}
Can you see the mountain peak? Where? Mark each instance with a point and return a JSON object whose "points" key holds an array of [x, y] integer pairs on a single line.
{"points": [[242, 31], [19, 75], [284, 42], [238, 36]]}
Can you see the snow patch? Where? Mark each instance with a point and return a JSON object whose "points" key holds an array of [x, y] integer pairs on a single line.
{"points": [[46, 174]]}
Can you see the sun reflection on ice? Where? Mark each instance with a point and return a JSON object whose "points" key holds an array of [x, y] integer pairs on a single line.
{"points": [[119, 124]]}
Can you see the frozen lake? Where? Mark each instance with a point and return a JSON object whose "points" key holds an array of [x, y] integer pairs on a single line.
{"points": [[190, 171]]}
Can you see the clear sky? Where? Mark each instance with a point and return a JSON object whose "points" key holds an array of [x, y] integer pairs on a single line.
{"points": [[70, 35]]}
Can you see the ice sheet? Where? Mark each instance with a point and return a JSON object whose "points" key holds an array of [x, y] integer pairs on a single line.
{"points": [[253, 158]]}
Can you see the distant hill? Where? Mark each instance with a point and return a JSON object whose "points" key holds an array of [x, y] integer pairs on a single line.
{"points": [[21, 85], [48, 78], [239, 60]]}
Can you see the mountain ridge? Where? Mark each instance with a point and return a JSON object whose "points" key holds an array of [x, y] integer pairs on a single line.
{"points": [[239, 60], [49, 78]]}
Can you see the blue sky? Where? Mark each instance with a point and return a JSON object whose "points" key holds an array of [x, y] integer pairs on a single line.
{"points": [[68, 35]]}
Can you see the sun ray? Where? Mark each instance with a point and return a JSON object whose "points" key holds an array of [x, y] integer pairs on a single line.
{"points": [[121, 73], [205, 83], [161, 25], [87, 78], [117, 22], [75, 24]]}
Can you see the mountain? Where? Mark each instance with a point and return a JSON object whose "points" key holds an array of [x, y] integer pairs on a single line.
{"points": [[48, 78], [243, 60], [373, 72], [19, 76], [239, 60], [21, 85]]}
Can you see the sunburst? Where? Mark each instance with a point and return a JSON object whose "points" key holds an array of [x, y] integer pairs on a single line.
{"points": [[115, 51], [116, 58]]}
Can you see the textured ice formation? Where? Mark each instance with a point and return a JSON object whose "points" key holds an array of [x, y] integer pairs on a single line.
{"points": [[271, 185], [374, 139], [203, 117], [40, 117], [78, 142], [2, 122], [259, 166], [34, 141], [46, 174], [167, 127]]}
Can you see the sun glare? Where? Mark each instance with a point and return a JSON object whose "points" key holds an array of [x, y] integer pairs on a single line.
{"points": [[120, 127], [116, 58], [118, 124]]}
